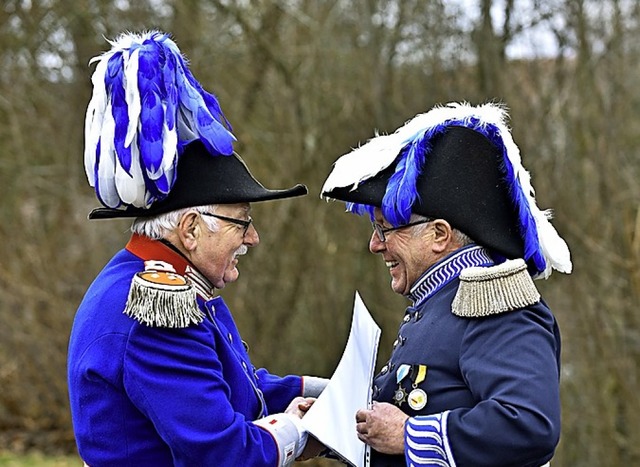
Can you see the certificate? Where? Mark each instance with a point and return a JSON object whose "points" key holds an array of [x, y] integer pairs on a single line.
{"points": [[332, 418]]}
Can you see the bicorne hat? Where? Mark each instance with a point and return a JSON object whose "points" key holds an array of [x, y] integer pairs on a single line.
{"points": [[456, 162], [155, 140]]}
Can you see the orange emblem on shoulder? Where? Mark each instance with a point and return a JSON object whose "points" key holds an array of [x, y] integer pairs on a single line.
{"points": [[163, 278]]}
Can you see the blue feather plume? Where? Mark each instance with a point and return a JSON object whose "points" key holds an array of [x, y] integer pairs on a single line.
{"points": [[527, 223], [402, 191], [202, 117], [151, 111], [149, 105]]}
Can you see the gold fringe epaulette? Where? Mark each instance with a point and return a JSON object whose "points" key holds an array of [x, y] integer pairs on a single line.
{"points": [[486, 291], [163, 298]]}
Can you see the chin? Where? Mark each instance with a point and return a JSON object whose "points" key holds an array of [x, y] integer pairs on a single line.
{"points": [[219, 284], [231, 276], [398, 289]]}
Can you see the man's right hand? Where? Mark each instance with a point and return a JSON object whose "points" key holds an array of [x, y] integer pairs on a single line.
{"points": [[299, 406]]}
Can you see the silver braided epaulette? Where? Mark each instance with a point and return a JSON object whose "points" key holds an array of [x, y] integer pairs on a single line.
{"points": [[486, 291], [159, 297]]}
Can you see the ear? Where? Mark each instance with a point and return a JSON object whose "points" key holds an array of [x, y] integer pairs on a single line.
{"points": [[189, 230], [443, 236]]}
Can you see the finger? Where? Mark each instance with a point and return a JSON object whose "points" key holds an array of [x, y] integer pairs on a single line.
{"points": [[362, 428], [361, 415], [304, 406]]}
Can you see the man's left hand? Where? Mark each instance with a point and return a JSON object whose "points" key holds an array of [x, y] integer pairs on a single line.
{"points": [[382, 427]]}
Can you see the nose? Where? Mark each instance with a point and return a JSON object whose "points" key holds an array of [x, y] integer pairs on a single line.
{"points": [[251, 238], [375, 245]]}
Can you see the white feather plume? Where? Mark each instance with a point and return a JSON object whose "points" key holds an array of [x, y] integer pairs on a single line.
{"points": [[107, 168], [93, 120], [130, 186]]}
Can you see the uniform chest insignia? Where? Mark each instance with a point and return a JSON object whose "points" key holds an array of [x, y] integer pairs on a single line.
{"points": [[417, 398], [400, 396], [486, 291], [159, 297]]}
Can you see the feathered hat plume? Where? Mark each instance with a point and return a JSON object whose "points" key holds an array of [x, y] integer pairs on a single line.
{"points": [[395, 165], [145, 108]]}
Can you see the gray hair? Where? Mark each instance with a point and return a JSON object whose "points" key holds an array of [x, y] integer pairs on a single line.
{"points": [[458, 235], [160, 226]]}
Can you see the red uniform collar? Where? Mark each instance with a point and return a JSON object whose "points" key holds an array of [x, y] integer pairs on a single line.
{"points": [[148, 249]]}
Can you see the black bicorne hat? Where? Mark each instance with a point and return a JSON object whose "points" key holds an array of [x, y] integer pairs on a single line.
{"points": [[458, 163], [460, 182], [203, 179], [155, 140]]}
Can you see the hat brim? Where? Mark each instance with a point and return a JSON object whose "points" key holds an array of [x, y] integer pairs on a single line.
{"points": [[371, 192], [203, 179]]}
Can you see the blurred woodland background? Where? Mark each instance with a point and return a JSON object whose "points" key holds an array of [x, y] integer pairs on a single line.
{"points": [[302, 82]]}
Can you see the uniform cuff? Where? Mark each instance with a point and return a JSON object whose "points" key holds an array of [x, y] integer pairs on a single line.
{"points": [[288, 434], [312, 386], [426, 441]]}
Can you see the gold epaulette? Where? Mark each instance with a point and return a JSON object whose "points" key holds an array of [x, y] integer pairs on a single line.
{"points": [[486, 291], [159, 297]]}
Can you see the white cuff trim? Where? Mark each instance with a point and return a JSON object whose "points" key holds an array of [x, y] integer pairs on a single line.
{"points": [[312, 386], [286, 430], [445, 438]]}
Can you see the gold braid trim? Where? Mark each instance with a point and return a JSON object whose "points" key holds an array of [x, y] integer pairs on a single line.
{"points": [[486, 291], [163, 299]]}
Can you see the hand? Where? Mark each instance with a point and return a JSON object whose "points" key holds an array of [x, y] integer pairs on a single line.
{"points": [[382, 427], [299, 406]]}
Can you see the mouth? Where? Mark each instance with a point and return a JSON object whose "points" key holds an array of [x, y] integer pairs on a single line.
{"points": [[236, 255], [240, 251], [391, 264]]}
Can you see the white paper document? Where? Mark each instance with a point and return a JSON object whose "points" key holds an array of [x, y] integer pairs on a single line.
{"points": [[332, 418]]}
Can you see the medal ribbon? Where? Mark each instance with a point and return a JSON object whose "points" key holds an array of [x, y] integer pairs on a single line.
{"points": [[402, 372], [420, 375]]}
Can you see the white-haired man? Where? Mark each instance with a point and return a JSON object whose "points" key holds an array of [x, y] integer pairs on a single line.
{"points": [[158, 373]]}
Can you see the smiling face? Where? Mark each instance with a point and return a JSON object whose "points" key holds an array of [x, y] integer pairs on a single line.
{"points": [[409, 252], [215, 252]]}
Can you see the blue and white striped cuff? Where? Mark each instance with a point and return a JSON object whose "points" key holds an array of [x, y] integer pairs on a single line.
{"points": [[426, 441]]}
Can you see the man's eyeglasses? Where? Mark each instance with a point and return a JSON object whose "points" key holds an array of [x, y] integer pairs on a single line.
{"points": [[381, 231], [233, 220]]}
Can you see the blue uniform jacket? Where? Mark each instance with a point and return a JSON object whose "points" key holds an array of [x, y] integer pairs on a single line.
{"points": [[149, 396], [492, 383]]}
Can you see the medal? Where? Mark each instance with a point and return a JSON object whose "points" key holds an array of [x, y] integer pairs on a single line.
{"points": [[417, 398], [400, 395]]}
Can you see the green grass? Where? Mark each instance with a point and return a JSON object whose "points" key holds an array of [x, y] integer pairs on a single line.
{"points": [[38, 460]]}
